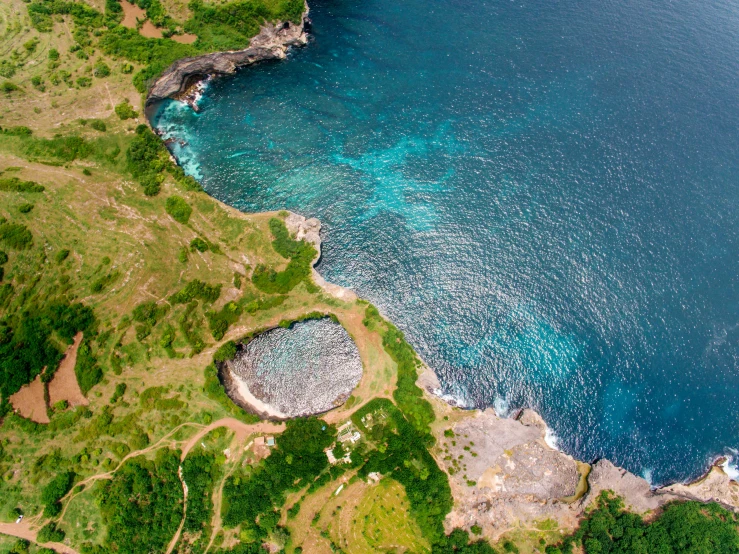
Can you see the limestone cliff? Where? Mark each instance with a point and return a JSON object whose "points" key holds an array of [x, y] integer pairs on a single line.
{"points": [[271, 43]]}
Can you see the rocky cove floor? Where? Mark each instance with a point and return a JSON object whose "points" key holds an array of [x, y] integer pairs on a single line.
{"points": [[306, 369]]}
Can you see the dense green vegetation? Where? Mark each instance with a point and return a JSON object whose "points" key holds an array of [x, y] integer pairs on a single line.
{"points": [[408, 396], [146, 159], [142, 505], [402, 453], [253, 497], [15, 235], [200, 471], [214, 390], [300, 253], [196, 289], [27, 343], [53, 492], [682, 528], [88, 371]]}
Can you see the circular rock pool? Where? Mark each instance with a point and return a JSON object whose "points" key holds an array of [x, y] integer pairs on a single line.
{"points": [[306, 369]]}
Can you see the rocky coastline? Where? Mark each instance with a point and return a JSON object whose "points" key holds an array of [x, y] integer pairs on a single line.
{"points": [[272, 43], [518, 477]]}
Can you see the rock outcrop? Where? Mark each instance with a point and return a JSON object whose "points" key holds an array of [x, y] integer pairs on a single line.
{"points": [[271, 43], [309, 230], [505, 476]]}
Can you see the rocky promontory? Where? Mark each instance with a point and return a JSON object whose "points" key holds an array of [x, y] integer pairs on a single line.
{"points": [[271, 43], [505, 475]]}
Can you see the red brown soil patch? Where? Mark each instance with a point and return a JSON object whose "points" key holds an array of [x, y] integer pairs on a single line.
{"points": [[30, 402], [131, 13], [64, 385], [185, 38], [149, 30]]}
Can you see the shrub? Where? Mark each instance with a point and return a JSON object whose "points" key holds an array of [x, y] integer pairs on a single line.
{"points": [[198, 244], [196, 289], [146, 158], [86, 369], [7, 87], [225, 352], [18, 131], [124, 110], [62, 255], [301, 255], [84, 82], [3, 257], [16, 185], [15, 235], [38, 83], [55, 490], [53, 54], [178, 209], [98, 125], [25, 208], [101, 69], [182, 255], [50, 533], [7, 69]]}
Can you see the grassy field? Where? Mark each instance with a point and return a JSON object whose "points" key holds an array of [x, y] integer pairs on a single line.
{"points": [[362, 518], [124, 250]]}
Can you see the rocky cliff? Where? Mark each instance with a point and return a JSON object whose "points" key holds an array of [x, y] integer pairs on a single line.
{"points": [[271, 43], [504, 475]]}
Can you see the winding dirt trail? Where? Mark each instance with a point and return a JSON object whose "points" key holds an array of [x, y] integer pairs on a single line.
{"points": [[23, 530], [242, 431]]}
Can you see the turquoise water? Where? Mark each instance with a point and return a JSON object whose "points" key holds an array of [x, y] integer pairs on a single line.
{"points": [[543, 195]]}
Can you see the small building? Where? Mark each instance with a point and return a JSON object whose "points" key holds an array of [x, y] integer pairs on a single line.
{"points": [[259, 441], [330, 456], [373, 477], [270, 441]]}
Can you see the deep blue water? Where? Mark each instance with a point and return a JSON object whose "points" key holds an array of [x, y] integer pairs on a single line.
{"points": [[543, 195]]}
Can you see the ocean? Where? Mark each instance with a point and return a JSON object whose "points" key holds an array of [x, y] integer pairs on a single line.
{"points": [[543, 195]]}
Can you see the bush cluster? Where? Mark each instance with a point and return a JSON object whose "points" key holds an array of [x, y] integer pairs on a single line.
{"points": [[196, 289], [301, 255], [178, 209], [14, 184], [15, 235], [683, 527], [146, 159]]}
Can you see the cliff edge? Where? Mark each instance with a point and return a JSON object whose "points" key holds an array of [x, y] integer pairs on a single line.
{"points": [[271, 43]]}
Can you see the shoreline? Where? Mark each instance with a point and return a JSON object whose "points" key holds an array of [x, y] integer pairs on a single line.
{"points": [[272, 43]]}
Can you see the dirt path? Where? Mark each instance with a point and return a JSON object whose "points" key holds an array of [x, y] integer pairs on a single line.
{"points": [[23, 530], [241, 431], [176, 536]]}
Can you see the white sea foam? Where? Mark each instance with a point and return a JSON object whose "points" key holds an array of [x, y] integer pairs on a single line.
{"points": [[501, 406], [551, 439], [731, 465], [647, 475]]}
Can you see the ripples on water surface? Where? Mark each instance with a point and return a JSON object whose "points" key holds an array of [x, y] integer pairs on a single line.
{"points": [[543, 195]]}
